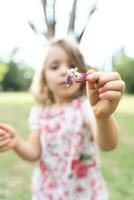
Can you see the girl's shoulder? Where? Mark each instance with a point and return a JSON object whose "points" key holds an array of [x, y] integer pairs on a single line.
{"points": [[36, 110]]}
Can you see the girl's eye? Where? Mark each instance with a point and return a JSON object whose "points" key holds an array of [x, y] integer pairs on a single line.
{"points": [[54, 67]]}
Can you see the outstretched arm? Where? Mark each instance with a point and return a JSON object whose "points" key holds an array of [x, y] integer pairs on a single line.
{"points": [[28, 150], [104, 91]]}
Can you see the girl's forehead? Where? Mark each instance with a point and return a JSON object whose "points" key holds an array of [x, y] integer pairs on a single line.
{"points": [[56, 53], [56, 49]]}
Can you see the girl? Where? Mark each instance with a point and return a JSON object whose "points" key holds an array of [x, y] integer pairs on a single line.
{"points": [[66, 128]]}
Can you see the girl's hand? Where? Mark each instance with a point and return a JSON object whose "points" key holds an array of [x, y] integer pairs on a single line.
{"points": [[8, 138], [104, 91]]}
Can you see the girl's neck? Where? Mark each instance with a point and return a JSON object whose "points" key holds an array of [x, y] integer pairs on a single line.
{"points": [[61, 102]]}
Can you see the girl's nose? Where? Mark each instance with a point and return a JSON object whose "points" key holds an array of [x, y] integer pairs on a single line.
{"points": [[64, 69]]}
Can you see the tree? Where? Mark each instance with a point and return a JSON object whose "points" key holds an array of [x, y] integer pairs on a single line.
{"points": [[3, 71], [125, 66], [17, 78], [73, 17], [14, 75], [11, 78]]}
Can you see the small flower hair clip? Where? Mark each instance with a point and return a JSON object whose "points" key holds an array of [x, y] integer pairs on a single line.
{"points": [[74, 76]]}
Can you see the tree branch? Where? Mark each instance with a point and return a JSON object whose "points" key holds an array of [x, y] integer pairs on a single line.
{"points": [[90, 13], [50, 22], [72, 18]]}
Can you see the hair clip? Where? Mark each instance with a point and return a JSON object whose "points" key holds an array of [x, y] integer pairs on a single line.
{"points": [[74, 76]]}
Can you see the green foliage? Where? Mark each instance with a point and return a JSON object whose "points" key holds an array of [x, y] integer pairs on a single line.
{"points": [[3, 70], [16, 77], [125, 66]]}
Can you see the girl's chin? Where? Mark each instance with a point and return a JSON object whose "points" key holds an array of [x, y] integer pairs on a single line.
{"points": [[67, 95]]}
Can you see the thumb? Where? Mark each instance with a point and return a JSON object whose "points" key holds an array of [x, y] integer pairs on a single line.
{"points": [[88, 79], [91, 87]]}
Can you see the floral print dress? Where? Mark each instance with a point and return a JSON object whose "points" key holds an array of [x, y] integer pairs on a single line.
{"points": [[69, 165]]}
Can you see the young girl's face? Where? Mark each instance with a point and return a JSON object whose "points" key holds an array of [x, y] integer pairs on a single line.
{"points": [[57, 63]]}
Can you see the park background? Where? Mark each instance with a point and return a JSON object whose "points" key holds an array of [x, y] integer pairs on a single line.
{"points": [[109, 32]]}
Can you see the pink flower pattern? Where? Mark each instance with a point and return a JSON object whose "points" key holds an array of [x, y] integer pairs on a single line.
{"points": [[69, 164]]}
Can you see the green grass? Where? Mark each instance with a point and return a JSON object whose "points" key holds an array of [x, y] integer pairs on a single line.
{"points": [[117, 165], [15, 174]]}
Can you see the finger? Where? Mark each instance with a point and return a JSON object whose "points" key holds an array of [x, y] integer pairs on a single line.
{"points": [[4, 137], [6, 128], [5, 142], [5, 148], [101, 78], [2, 133], [111, 96], [108, 77], [92, 95], [92, 79], [117, 85], [91, 88]]}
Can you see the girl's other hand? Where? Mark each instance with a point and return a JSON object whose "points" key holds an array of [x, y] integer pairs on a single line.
{"points": [[8, 137]]}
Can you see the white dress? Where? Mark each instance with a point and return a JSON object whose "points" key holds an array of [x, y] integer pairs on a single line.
{"points": [[69, 164]]}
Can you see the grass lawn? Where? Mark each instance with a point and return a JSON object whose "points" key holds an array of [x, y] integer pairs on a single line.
{"points": [[117, 165]]}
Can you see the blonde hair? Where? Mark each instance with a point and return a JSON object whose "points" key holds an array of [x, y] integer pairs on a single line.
{"points": [[39, 89]]}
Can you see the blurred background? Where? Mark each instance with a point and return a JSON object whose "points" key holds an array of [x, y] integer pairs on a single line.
{"points": [[104, 30]]}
